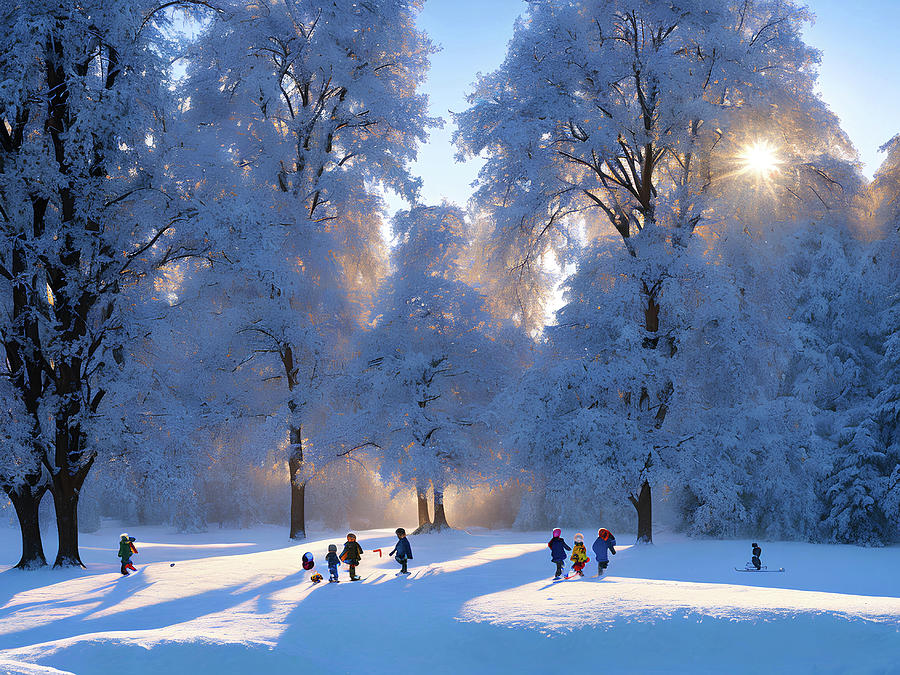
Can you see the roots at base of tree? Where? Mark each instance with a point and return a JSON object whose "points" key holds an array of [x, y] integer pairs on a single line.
{"points": [[35, 564], [429, 528], [67, 561]]}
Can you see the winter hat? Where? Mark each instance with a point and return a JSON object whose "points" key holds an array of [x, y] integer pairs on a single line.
{"points": [[350, 534], [557, 532], [399, 531], [579, 538], [332, 548], [603, 533], [125, 537]]}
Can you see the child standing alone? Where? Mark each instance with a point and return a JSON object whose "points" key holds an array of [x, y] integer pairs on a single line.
{"points": [[402, 551], [351, 555], [126, 549]]}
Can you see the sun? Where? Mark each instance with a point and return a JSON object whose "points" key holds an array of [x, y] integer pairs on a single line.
{"points": [[761, 159]]}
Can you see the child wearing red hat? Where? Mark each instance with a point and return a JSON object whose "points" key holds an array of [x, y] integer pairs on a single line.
{"points": [[604, 543]]}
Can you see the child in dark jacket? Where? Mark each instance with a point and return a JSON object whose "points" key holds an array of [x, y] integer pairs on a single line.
{"points": [[756, 560], [558, 549], [126, 549], [402, 551], [351, 554], [332, 561], [605, 542]]}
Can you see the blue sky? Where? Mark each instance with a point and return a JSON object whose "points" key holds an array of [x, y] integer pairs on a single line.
{"points": [[859, 76]]}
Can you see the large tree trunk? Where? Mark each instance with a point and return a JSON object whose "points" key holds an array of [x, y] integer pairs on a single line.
{"points": [[26, 500], [298, 486], [422, 503], [66, 490], [644, 508], [440, 518], [70, 468]]}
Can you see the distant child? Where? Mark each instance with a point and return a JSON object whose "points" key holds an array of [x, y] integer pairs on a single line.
{"points": [[605, 542], [332, 561], [351, 554], [757, 551], [579, 556], [126, 549], [402, 551], [558, 549]]}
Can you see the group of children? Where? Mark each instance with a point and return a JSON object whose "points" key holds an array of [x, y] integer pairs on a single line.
{"points": [[352, 554], [402, 553], [603, 545]]}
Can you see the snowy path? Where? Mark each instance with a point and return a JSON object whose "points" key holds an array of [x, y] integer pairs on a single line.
{"points": [[236, 602]]}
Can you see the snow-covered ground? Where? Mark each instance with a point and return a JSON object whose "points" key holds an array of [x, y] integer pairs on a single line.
{"points": [[236, 601]]}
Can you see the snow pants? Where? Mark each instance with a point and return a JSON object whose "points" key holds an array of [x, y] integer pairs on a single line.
{"points": [[601, 566], [559, 567], [402, 560], [333, 571], [352, 571]]}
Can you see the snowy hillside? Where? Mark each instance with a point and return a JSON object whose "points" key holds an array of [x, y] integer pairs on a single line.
{"points": [[236, 601]]}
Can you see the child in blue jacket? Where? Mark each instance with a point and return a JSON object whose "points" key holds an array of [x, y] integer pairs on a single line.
{"points": [[605, 542], [402, 551], [333, 563], [558, 548]]}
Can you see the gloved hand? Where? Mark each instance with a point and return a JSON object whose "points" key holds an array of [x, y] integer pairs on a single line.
{"points": [[613, 551]]}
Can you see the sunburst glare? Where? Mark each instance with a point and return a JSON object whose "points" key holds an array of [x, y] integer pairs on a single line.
{"points": [[761, 159]]}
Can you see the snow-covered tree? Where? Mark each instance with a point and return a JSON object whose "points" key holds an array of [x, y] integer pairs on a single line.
{"points": [[607, 116], [431, 364], [303, 112], [862, 491], [86, 211]]}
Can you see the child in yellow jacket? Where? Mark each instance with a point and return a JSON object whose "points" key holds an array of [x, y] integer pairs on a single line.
{"points": [[579, 555]]}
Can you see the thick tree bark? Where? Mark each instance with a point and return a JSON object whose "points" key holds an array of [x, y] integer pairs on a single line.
{"points": [[26, 500], [422, 503], [440, 518], [439, 523], [644, 507], [65, 490]]}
